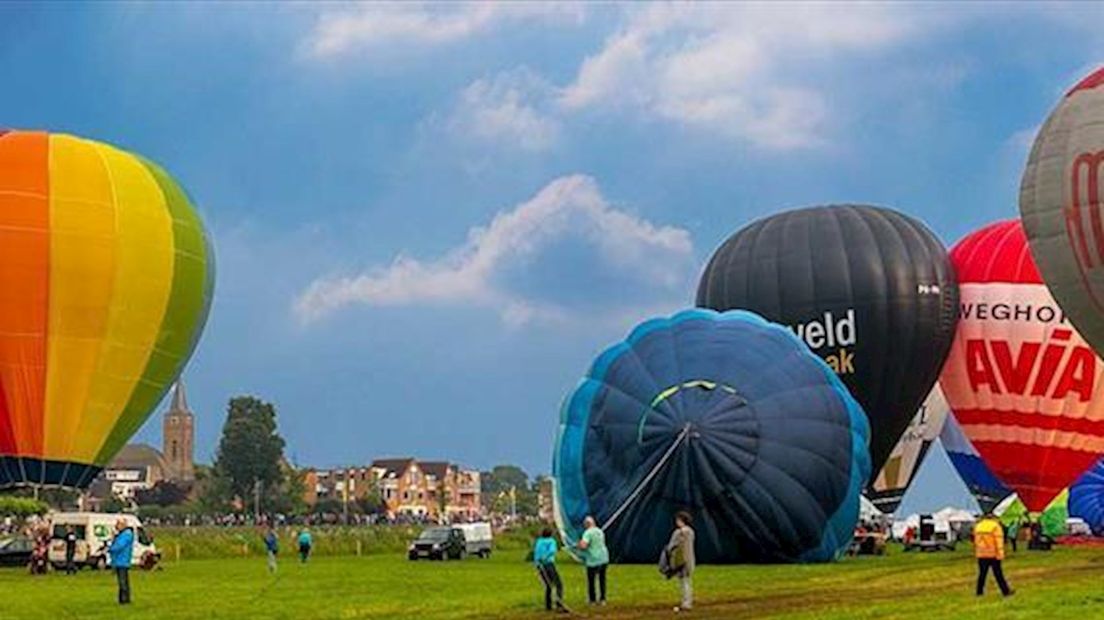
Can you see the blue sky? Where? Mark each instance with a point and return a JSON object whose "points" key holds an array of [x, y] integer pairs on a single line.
{"points": [[429, 219]]}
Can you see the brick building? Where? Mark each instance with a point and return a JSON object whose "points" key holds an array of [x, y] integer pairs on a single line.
{"points": [[408, 487], [138, 466]]}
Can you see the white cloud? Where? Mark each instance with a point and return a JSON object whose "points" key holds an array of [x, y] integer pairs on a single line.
{"points": [[1020, 142], [736, 69], [506, 109], [656, 259], [375, 25]]}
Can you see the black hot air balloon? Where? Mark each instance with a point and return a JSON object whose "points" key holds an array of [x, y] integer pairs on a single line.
{"points": [[869, 289]]}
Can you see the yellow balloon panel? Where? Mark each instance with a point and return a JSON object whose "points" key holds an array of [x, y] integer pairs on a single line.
{"points": [[82, 269]]}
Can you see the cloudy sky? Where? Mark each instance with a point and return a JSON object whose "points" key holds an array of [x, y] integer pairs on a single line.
{"points": [[429, 219]]}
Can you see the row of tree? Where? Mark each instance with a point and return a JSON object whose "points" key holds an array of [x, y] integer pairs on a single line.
{"points": [[251, 475]]}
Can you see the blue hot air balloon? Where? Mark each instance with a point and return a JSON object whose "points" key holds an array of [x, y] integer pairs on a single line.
{"points": [[1086, 498], [724, 415], [986, 489]]}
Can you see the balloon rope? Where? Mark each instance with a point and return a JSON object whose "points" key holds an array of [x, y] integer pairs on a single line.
{"points": [[647, 479]]}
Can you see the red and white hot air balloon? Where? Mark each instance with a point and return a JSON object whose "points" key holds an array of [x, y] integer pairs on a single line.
{"points": [[1023, 384]]}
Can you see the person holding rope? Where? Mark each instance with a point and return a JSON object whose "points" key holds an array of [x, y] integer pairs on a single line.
{"points": [[596, 558], [544, 557]]}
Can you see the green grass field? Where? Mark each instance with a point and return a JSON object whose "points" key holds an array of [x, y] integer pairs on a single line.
{"points": [[1066, 583]]}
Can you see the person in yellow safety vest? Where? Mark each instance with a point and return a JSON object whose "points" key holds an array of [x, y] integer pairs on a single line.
{"points": [[989, 550]]}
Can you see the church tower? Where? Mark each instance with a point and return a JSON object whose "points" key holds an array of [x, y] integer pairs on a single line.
{"points": [[178, 434]]}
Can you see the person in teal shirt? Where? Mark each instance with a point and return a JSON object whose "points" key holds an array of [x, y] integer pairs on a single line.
{"points": [[305, 544], [544, 557], [596, 557]]}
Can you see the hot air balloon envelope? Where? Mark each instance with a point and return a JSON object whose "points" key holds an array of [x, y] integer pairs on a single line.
{"points": [[724, 415], [909, 453], [1061, 201], [105, 284], [1022, 383], [868, 289], [1086, 498]]}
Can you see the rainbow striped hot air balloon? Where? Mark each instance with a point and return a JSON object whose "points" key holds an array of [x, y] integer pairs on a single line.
{"points": [[106, 275]]}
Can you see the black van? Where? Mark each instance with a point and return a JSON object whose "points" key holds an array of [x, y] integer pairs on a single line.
{"points": [[438, 543]]}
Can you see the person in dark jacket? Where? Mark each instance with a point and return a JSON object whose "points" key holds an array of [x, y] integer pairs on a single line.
{"points": [[70, 551], [544, 558], [121, 550], [272, 547]]}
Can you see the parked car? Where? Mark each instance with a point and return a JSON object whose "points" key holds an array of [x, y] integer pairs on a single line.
{"points": [[478, 538], [1078, 527], [438, 543], [94, 532], [452, 542], [16, 551]]}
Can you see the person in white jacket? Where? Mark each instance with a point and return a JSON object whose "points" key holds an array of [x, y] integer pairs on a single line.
{"points": [[680, 553]]}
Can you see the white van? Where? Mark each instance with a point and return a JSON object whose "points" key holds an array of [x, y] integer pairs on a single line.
{"points": [[94, 532], [477, 538]]}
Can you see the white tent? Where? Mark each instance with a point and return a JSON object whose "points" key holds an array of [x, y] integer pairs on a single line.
{"points": [[954, 515], [901, 525], [946, 520]]}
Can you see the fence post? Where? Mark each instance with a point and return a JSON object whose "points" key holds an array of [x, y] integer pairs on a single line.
{"points": [[358, 547], [178, 553], [245, 549]]}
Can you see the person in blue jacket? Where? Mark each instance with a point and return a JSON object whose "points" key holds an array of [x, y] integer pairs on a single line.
{"points": [[272, 547], [121, 550], [544, 557]]}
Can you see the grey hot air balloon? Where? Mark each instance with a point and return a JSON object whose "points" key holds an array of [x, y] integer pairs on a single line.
{"points": [[1061, 201]]}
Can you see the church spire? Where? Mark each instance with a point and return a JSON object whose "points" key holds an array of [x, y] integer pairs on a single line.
{"points": [[179, 400], [178, 436]]}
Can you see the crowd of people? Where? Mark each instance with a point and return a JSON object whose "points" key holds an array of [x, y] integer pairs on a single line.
{"points": [[676, 560], [307, 520]]}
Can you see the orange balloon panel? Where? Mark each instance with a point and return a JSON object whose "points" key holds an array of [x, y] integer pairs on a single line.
{"points": [[1022, 383], [105, 283]]}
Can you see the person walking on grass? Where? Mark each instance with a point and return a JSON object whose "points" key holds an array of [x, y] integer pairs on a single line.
{"points": [[989, 549], [272, 547], [121, 550], [544, 558], [305, 544], [596, 558], [680, 557]]}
